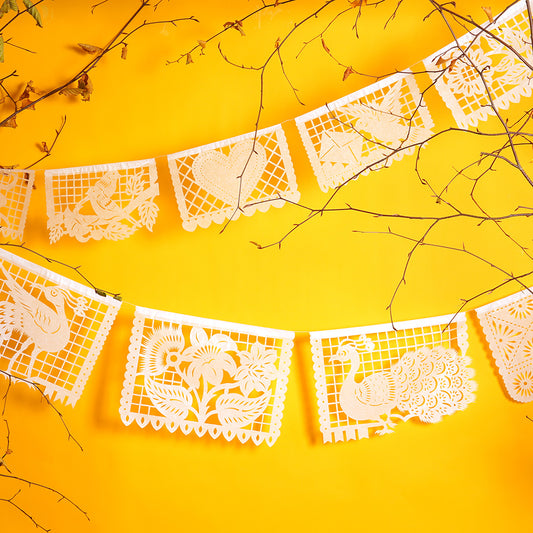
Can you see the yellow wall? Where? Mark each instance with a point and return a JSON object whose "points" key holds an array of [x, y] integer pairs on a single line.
{"points": [[472, 472]]}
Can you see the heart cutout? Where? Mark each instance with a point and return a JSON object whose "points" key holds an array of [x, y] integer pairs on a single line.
{"points": [[218, 173]]}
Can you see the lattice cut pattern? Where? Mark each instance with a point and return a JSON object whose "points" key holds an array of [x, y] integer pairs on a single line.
{"points": [[15, 193], [366, 130], [212, 181], [52, 329], [205, 375], [103, 201], [368, 378], [508, 327], [478, 70]]}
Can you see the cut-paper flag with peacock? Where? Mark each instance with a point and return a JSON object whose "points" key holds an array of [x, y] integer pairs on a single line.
{"points": [[245, 174], [487, 68], [102, 201], [366, 130], [52, 329], [206, 376], [369, 378], [15, 192], [508, 327]]}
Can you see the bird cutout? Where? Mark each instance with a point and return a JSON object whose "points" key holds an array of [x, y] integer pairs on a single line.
{"points": [[45, 326], [427, 383], [385, 121]]}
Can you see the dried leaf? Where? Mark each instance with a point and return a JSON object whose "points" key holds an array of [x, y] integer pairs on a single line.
{"points": [[203, 44], [23, 102], [44, 147], [4, 8], [124, 51], [71, 91], [488, 12], [189, 60], [440, 61], [11, 123], [324, 45], [357, 3], [90, 49], [13, 5], [347, 72], [277, 43], [86, 86], [32, 10]]}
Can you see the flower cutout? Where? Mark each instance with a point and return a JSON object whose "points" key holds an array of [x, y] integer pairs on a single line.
{"points": [[462, 75], [521, 309], [507, 339], [523, 385], [257, 369], [209, 357], [162, 350]]}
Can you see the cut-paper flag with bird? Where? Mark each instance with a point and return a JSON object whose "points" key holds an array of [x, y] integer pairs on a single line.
{"points": [[244, 174], [508, 327], [52, 329], [206, 376], [102, 201], [15, 193], [369, 378], [487, 68], [366, 130]]}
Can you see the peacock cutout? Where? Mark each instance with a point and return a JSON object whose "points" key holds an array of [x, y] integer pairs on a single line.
{"points": [[385, 121], [45, 326], [427, 383]]}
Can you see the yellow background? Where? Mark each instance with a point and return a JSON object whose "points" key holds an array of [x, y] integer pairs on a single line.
{"points": [[471, 472]]}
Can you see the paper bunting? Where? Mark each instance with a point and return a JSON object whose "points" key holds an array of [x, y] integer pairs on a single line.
{"points": [[368, 378], [102, 201], [508, 326], [15, 192], [51, 328], [205, 375], [477, 64], [365, 130], [207, 179]]}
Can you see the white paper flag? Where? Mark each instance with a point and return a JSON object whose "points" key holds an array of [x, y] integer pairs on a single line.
{"points": [[368, 378], [206, 376], [102, 201], [52, 329], [15, 193], [508, 326], [208, 184], [478, 69], [365, 130]]}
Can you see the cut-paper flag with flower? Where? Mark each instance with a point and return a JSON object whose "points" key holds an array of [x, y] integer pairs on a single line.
{"points": [[206, 376], [15, 193], [365, 130], [481, 70], [102, 201], [52, 329], [218, 181], [369, 378], [508, 327]]}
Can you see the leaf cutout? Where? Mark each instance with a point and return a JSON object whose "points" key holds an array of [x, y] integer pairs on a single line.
{"points": [[235, 411], [90, 48], [173, 401], [148, 214], [32, 10]]}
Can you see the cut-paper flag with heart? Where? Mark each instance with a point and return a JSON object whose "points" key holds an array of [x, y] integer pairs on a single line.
{"points": [[206, 376], [219, 181], [366, 130], [102, 201], [52, 329], [508, 327], [369, 378], [489, 66], [15, 193]]}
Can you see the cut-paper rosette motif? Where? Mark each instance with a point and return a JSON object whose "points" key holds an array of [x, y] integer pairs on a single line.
{"points": [[206, 376], [218, 181], [52, 329], [103, 201], [508, 327], [15, 192], [365, 130], [478, 71], [368, 378]]}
